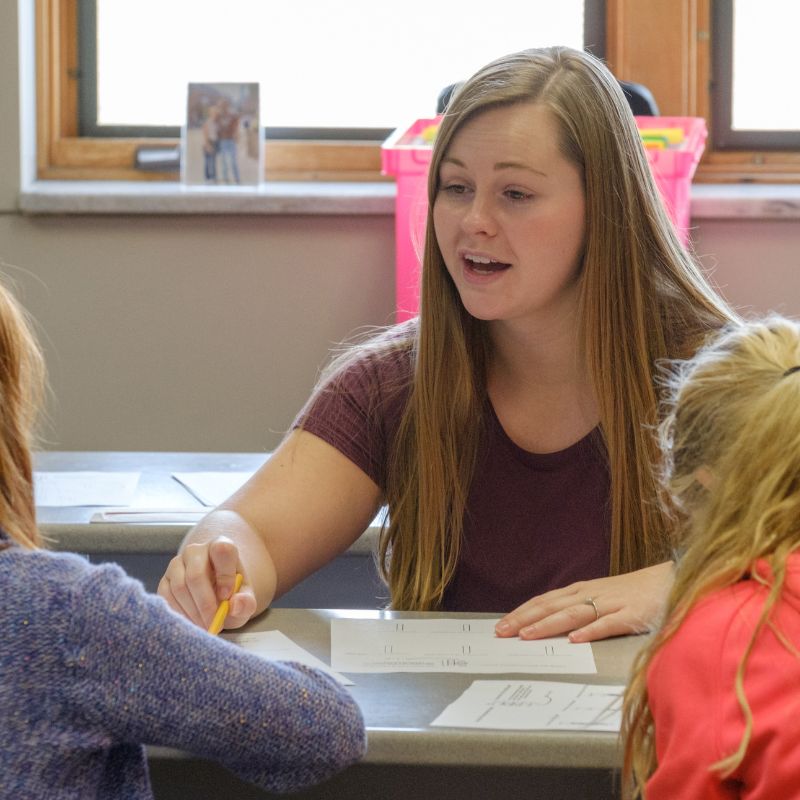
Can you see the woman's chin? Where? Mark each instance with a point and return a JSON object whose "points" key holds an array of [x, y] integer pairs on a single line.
{"points": [[481, 311]]}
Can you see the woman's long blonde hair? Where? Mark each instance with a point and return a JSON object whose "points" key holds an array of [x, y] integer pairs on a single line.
{"points": [[642, 299], [733, 421], [21, 390]]}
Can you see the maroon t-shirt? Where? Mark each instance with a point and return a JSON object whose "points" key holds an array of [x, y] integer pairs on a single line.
{"points": [[533, 522]]}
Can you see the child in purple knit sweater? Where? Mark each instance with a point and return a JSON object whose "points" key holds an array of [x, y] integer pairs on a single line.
{"points": [[92, 667]]}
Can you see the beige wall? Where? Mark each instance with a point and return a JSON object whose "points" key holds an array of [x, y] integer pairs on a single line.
{"points": [[755, 263], [192, 333], [206, 333]]}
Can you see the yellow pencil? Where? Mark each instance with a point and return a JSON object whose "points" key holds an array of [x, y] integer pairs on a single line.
{"points": [[219, 618]]}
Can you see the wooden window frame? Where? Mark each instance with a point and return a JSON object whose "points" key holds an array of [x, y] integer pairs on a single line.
{"points": [[635, 31], [63, 154], [682, 80]]}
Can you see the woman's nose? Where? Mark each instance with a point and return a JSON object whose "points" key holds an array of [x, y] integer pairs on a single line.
{"points": [[479, 217]]}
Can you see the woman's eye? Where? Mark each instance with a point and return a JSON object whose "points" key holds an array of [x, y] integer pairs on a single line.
{"points": [[518, 194], [454, 188]]}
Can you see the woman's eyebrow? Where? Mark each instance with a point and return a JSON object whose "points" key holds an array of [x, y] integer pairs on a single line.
{"points": [[518, 165], [500, 165]]}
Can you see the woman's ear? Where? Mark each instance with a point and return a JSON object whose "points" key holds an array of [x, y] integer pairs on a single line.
{"points": [[704, 476]]}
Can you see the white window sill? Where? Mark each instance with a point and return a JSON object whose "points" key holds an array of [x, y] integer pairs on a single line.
{"points": [[745, 201], [709, 201], [150, 197]]}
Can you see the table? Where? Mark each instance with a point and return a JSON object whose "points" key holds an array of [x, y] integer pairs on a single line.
{"points": [[144, 549], [407, 758]]}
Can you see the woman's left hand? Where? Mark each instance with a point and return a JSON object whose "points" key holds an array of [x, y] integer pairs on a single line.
{"points": [[595, 609]]}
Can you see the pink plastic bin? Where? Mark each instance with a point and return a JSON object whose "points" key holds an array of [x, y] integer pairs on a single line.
{"points": [[403, 156], [673, 169], [406, 157]]}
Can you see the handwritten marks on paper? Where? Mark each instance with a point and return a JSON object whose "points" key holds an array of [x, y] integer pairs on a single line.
{"points": [[535, 705], [449, 645]]}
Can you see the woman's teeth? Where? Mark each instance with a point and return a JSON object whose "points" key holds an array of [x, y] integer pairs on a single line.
{"points": [[483, 265]]}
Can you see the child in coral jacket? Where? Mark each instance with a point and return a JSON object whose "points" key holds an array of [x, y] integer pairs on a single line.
{"points": [[713, 709]]}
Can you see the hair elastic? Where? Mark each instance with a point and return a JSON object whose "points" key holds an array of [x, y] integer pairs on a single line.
{"points": [[791, 370]]}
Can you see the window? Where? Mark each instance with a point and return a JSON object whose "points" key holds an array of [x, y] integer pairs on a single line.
{"points": [[664, 44], [755, 102], [366, 57], [667, 45], [327, 70]]}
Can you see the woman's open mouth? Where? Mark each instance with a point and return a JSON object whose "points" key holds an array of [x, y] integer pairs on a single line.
{"points": [[483, 266]]}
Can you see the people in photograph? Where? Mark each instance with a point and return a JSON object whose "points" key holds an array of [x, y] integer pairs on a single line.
{"points": [[228, 125], [251, 137], [712, 708], [211, 144], [92, 667], [506, 428]]}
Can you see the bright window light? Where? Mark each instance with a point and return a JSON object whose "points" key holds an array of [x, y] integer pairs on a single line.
{"points": [[354, 64], [765, 65]]}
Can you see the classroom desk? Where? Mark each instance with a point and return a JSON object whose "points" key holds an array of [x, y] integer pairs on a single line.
{"points": [[145, 548], [406, 757]]}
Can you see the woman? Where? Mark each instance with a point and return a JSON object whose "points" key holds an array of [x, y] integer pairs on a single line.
{"points": [[505, 428]]}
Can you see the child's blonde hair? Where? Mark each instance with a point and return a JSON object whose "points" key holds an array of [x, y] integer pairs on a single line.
{"points": [[731, 472], [21, 390]]}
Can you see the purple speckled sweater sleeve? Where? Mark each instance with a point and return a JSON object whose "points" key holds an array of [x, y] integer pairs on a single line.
{"points": [[111, 667]]}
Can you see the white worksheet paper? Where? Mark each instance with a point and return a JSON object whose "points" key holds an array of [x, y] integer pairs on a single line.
{"points": [[84, 488], [277, 646], [212, 488], [165, 516], [535, 705], [448, 645]]}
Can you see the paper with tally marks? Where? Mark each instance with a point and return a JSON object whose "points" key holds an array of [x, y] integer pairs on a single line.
{"points": [[449, 645]]}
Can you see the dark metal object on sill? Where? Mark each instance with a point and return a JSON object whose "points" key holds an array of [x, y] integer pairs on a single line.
{"points": [[158, 159]]}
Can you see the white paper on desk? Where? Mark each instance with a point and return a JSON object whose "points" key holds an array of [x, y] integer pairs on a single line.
{"points": [[448, 645], [536, 705], [185, 516], [84, 488], [276, 646], [212, 488]]}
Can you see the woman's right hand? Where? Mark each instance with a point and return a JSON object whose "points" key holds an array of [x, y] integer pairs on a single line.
{"points": [[307, 504], [201, 576]]}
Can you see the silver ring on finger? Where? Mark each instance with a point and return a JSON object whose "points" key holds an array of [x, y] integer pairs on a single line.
{"points": [[589, 601]]}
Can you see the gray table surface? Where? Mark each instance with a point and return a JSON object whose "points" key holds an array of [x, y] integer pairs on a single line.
{"points": [[399, 707], [70, 527], [406, 756]]}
